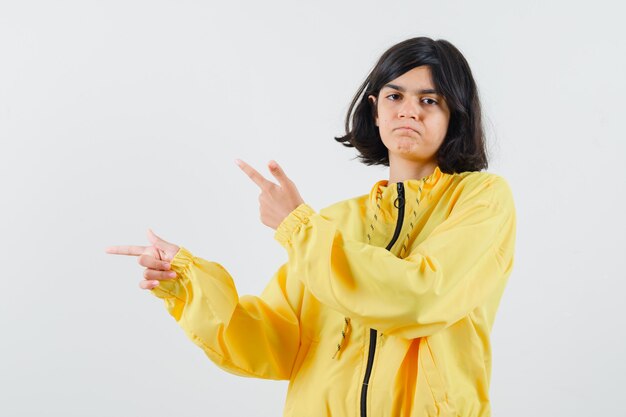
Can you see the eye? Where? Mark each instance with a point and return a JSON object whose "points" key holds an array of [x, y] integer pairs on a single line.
{"points": [[430, 101], [393, 96]]}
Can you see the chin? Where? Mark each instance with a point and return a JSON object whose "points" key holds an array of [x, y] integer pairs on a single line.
{"points": [[406, 146]]}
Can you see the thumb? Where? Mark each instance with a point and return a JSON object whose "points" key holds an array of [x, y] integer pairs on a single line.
{"points": [[278, 173], [157, 241], [166, 250]]}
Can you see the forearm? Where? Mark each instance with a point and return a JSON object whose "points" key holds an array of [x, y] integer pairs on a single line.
{"points": [[246, 335], [429, 290]]}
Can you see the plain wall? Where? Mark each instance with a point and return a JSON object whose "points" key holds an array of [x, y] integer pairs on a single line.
{"points": [[116, 116]]}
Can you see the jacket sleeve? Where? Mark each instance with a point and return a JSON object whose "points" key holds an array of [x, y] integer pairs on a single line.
{"points": [[455, 269], [248, 336]]}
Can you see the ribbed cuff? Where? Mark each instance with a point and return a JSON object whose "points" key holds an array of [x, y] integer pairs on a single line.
{"points": [[290, 224]]}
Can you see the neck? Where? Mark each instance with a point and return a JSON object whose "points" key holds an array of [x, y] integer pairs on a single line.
{"points": [[402, 169]]}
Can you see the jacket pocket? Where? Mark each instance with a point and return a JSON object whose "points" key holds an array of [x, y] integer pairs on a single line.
{"points": [[435, 380]]}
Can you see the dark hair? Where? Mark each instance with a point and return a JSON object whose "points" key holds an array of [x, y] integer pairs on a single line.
{"points": [[463, 148]]}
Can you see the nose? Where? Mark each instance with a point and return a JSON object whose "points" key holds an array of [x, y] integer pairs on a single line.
{"points": [[408, 109]]}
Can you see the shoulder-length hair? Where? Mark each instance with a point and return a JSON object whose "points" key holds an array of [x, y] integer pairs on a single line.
{"points": [[463, 148]]}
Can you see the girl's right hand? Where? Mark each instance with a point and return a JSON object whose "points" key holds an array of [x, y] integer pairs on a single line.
{"points": [[156, 258]]}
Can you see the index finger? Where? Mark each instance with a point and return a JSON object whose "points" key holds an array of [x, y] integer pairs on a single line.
{"points": [[253, 174], [126, 250]]}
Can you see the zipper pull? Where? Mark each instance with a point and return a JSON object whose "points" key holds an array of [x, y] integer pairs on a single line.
{"points": [[399, 201]]}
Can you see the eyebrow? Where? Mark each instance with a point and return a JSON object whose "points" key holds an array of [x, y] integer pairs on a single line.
{"points": [[402, 89]]}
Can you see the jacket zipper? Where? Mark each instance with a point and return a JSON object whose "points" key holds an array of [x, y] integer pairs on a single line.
{"points": [[399, 204]]}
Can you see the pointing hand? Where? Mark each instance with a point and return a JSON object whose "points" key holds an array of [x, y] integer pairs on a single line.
{"points": [[276, 200], [156, 258]]}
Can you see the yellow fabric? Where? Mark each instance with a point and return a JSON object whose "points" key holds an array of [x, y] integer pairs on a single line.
{"points": [[432, 298]]}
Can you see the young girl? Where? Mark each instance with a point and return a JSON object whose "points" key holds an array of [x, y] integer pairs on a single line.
{"points": [[386, 303]]}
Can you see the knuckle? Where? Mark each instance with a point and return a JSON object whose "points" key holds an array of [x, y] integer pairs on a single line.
{"points": [[145, 260]]}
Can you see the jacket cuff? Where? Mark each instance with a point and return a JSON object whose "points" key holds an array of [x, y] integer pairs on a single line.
{"points": [[172, 288], [181, 260], [290, 224]]}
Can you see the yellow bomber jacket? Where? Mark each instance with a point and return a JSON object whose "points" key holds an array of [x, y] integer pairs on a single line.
{"points": [[384, 307]]}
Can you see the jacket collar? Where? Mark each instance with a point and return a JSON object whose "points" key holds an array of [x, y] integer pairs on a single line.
{"points": [[383, 194]]}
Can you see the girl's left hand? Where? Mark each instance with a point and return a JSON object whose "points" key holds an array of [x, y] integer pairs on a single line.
{"points": [[276, 201]]}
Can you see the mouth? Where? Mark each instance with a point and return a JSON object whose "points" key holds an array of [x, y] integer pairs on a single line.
{"points": [[406, 129]]}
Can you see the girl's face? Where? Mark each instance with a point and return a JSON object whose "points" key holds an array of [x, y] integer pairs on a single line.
{"points": [[412, 117]]}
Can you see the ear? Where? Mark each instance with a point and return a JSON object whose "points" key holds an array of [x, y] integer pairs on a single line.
{"points": [[372, 99]]}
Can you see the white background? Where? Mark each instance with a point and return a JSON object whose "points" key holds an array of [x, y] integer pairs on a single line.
{"points": [[116, 116]]}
